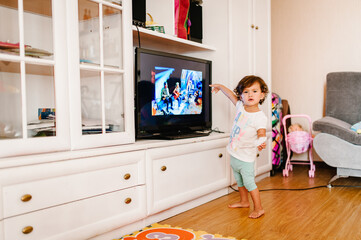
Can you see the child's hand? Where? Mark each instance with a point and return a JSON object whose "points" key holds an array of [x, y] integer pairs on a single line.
{"points": [[262, 146], [216, 87]]}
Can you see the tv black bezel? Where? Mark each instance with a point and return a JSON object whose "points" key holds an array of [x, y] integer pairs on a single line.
{"points": [[162, 131]]}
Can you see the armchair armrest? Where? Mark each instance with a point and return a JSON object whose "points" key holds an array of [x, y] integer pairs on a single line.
{"points": [[337, 128]]}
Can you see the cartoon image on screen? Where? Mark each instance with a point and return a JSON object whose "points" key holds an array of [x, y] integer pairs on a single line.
{"points": [[177, 95]]}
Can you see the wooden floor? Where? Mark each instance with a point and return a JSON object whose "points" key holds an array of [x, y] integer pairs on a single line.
{"points": [[321, 213]]}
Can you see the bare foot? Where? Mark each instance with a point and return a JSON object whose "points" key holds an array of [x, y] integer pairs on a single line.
{"points": [[256, 213], [239, 205]]}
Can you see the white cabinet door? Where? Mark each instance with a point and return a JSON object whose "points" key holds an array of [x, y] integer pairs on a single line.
{"points": [[260, 33], [182, 173], [33, 78], [262, 67], [250, 35], [100, 73], [263, 162]]}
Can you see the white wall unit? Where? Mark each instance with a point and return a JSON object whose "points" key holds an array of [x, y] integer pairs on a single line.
{"points": [[89, 196], [74, 186]]}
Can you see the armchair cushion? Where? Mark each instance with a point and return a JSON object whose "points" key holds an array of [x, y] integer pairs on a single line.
{"points": [[337, 128]]}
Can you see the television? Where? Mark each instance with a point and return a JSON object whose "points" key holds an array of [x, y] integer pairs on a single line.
{"points": [[172, 95]]}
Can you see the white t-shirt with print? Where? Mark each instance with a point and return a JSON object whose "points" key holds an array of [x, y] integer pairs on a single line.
{"points": [[244, 133]]}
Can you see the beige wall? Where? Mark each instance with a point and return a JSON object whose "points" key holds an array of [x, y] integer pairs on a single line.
{"points": [[311, 38]]}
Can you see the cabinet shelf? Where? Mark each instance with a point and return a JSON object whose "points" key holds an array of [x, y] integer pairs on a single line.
{"points": [[161, 40], [41, 7], [44, 67]]}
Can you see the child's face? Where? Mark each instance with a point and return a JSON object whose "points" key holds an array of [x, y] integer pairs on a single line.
{"points": [[252, 95]]}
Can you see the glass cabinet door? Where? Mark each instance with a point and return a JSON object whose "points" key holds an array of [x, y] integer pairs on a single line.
{"points": [[28, 83], [104, 57]]}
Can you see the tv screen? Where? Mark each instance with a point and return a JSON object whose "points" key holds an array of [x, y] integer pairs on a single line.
{"points": [[173, 96]]}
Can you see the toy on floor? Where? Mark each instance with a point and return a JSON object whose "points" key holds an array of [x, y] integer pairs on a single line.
{"points": [[298, 141]]}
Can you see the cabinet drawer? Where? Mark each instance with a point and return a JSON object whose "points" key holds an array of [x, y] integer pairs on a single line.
{"points": [[80, 219], [31, 196]]}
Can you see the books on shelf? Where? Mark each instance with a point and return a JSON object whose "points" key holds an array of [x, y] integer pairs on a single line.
{"points": [[41, 124], [29, 51]]}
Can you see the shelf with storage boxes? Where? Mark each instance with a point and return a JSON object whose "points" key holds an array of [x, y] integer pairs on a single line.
{"points": [[152, 39], [163, 14], [63, 198]]}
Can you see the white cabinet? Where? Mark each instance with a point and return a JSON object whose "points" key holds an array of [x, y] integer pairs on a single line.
{"points": [[60, 200], [263, 162], [83, 197], [260, 38], [179, 174], [261, 66], [250, 38], [66, 75], [33, 78]]}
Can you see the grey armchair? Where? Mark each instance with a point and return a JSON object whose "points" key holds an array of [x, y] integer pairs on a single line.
{"points": [[337, 145]]}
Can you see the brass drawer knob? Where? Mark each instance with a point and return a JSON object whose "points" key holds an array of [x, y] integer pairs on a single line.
{"points": [[27, 229], [163, 168], [128, 200], [26, 198], [127, 176], [256, 27], [220, 155], [257, 154], [252, 26]]}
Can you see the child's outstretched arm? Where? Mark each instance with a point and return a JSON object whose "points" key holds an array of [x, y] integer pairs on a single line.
{"points": [[226, 91]]}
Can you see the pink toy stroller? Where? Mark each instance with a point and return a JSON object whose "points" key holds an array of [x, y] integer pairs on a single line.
{"points": [[298, 142]]}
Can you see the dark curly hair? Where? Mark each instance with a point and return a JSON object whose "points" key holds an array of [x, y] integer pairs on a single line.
{"points": [[248, 81]]}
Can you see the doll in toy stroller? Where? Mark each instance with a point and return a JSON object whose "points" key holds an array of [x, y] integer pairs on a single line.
{"points": [[298, 141]]}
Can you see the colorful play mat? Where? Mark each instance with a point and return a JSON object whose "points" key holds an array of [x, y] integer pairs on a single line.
{"points": [[162, 232]]}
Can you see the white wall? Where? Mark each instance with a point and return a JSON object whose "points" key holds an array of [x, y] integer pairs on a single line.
{"points": [[311, 38], [216, 29]]}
